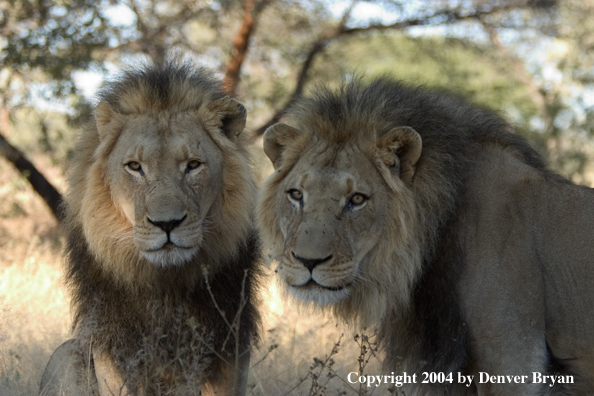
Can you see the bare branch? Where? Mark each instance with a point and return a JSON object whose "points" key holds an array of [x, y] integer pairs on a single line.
{"points": [[519, 70], [347, 13], [438, 18], [152, 42], [44, 188]]}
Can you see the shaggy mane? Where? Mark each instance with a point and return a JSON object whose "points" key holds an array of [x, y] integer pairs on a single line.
{"points": [[175, 87], [451, 130], [452, 133], [120, 300]]}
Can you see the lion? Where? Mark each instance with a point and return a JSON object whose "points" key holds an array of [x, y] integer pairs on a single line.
{"points": [[161, 255], [411, 212]]}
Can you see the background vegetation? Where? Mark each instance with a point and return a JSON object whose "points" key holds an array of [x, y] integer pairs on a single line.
{"points": [[530, 59]]}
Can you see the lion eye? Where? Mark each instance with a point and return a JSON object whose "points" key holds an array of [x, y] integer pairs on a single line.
{"points": [[193, 164], [358, 199], [134, 166], [296, 195]]}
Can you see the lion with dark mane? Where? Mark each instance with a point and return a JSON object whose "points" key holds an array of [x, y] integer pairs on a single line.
{"points": [[161, 257], [415, 213]]}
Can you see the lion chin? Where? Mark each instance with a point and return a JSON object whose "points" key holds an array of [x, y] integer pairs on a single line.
{"points": [[170, 255], [319, 294]]}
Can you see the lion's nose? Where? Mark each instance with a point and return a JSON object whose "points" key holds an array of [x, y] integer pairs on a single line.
{"points": [[169, 225], [310, 264]]}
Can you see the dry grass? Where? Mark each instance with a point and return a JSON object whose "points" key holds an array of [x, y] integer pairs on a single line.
{"points": [[35, 318], [34, 315]]}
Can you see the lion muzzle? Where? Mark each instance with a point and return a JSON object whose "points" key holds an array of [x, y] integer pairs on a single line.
{"points": [[166, 233], [169, 225], [310, 264]]}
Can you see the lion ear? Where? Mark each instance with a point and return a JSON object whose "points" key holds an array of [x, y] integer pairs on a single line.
{"points": [[231, 116], [400, 150], [107, 119], [276, 139]]}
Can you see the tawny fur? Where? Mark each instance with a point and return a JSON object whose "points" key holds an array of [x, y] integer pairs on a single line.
{"points": [[474, 217], [164, 328]]}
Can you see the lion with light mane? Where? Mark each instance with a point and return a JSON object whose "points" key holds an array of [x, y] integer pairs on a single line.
{"points": [[161, 258], [426, 218]]}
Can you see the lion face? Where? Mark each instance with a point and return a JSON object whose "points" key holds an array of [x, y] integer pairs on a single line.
{"points": [[165, 175], [163, 185], [330, 215], [332, 212]]}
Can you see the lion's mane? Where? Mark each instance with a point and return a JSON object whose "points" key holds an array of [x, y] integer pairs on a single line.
{"points": [[420, 258], [133, 310]]}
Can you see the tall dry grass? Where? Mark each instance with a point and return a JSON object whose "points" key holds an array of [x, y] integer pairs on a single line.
{"points": [[297, 354], [34, 315]]}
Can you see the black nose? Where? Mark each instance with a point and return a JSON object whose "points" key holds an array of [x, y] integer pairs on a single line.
{"points": [[310, 264], [168, 226]]}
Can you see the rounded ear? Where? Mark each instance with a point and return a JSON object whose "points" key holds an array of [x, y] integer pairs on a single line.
{"points": [[276, 138], [107, 119], [231, 115], [400, 149]]}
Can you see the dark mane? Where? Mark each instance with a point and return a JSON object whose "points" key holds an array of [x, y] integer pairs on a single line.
{"points": [[453, 134], [165, 306], [452, 130], [446, 122], [191, 318], [175, 86]]}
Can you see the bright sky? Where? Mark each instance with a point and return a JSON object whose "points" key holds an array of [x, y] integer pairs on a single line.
{"points": [[120, 15], [87, 81], [363, 11]]}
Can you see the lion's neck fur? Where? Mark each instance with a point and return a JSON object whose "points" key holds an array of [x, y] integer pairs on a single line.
{"points": [[184, 306]]}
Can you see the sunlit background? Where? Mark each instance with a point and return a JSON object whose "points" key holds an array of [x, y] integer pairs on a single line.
{"points": [[531, 60]]}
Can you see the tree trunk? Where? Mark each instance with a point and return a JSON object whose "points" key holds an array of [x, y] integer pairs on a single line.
{"points": [[240, 47], [50, 195]]}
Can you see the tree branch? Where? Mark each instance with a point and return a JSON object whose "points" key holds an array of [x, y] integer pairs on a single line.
{"points": [[241, 43], [438, 18], [44, 188], [519, 71]]}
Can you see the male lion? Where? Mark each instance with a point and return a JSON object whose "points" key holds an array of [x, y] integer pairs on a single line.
{"points": [[161, 257], [427, 218]]}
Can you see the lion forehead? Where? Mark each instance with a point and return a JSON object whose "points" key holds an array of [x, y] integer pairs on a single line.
{"points": [[140, 140], [163, 136], [165, 143], [338, 172]]}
